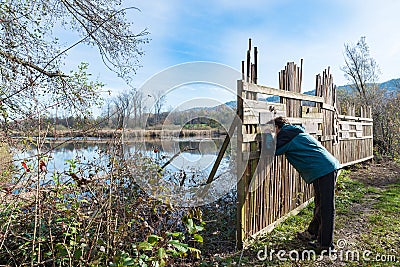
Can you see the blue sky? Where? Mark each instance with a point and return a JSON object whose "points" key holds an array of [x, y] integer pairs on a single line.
{"points": [[283, 30]]}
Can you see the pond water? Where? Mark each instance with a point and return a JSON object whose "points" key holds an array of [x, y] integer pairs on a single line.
{"points": [[192, 158]]}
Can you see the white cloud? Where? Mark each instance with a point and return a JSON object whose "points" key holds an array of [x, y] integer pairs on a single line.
{"points": [[322, 45], [183, 30]]}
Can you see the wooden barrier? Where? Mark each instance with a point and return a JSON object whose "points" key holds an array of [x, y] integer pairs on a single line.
{"points": [[280, 190]]}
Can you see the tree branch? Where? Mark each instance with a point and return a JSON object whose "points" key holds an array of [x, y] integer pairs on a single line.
{"points": [[31, 65]]}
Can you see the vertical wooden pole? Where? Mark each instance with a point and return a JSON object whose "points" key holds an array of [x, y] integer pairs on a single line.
{"points": [[255, 65], [241, 172]]}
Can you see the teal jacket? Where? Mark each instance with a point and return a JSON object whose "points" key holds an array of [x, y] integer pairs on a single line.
{"points": [[305, 153]]}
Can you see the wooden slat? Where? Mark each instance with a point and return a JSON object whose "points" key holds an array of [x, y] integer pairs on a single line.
{"points": [[223, 148], [327, 138], [357, 161], [249, 138], [356, 123], [308, 109], [255, 88], [304, 120], [257, 104], [311, 127], [356, 138], [344, 127], [349, 131], [250, 119], [267, 117], [328, 107], [345, 117], [313, 115]]}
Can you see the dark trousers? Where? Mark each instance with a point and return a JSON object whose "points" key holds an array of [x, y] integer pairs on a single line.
{"points": [[323, 222]]}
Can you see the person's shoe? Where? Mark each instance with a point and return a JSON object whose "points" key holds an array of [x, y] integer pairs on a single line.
{"points": [[318, 248], [306, 236]]}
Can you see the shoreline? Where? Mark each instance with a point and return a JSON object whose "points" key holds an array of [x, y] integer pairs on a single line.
{"points": [[107, 135]]}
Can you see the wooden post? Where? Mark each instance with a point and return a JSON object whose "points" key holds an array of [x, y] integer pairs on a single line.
{"points": [[240, 232], [221, 152]]}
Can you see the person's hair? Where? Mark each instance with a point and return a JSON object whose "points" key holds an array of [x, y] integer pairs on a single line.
{"points": [[280, 121]]}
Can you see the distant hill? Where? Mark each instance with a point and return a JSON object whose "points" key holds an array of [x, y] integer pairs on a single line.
{"points": [[231, 104], [392, 85]]}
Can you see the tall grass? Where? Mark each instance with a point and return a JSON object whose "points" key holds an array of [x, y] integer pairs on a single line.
{"points": [[85, 216], [5, 162]]}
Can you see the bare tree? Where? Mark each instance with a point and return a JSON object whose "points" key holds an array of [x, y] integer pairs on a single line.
{"points": [[361, 70], [123, 104], [107, 112], [138, 108], [160, 100]]}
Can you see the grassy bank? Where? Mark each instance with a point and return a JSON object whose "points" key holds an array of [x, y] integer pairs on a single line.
{"points": [[129, 133]]}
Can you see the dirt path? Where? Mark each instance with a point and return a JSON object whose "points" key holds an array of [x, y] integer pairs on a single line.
{"points": [[353, 226], [379, 176]]}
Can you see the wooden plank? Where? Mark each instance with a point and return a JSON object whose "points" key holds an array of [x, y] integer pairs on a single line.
{"points": [[359, 127], [357, 161], [311, 127], [304, 120], [240, 228], [356, 138], [258, 116], [221, 152], [248, 110], [250, 119], [344, 135], [327, 138], [257, 104], [249, 138], [307, 109], [328, 107], [356, 123], [344, 127], [313, 115], [273, 91], [349, 131], [345, 117], [266, 117]]}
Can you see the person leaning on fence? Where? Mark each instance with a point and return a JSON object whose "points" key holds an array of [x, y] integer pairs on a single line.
{"points": [[317, 166]]}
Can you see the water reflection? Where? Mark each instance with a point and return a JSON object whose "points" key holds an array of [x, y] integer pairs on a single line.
{"points": [[189, 158]]}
